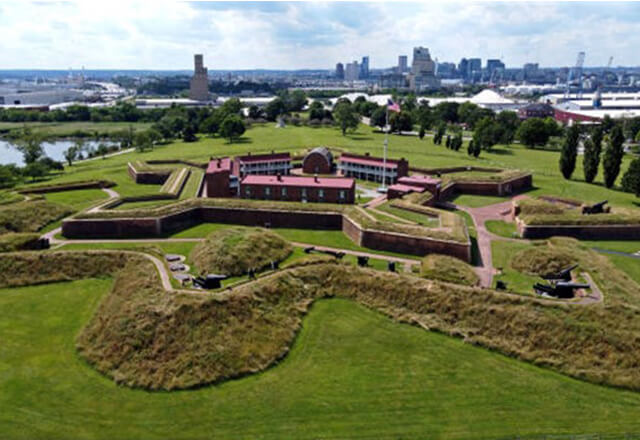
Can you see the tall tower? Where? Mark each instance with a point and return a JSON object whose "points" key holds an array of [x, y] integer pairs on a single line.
{"points": [[199, 85]]}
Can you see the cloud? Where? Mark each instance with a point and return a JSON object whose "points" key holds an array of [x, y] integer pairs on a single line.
{"points": [[290, 35]]}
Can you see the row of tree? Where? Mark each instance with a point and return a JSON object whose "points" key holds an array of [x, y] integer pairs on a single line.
{"points": [[612, 156]]}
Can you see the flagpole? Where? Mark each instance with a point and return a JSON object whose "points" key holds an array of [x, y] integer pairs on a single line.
{"points": [[384, 155]]}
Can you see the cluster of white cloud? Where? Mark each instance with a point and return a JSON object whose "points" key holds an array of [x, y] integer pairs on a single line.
{"points": [[245, 35]]}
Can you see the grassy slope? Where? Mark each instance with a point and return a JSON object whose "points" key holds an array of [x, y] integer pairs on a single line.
{"points": [[501, 228], [421, 153], [65, 129], [473, 201], [407, 383]]}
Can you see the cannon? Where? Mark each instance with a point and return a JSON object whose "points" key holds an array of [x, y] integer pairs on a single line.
{"points": [[501, 285], [596, 208], [391, 266], [337, 254], [210, 281], [561, 289], [363, 261], [563, 275]]}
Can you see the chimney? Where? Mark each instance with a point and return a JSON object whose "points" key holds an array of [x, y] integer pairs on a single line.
{"points": [[219, 162], [315, 178], [273, 151], [279, 177], [366, 154]]}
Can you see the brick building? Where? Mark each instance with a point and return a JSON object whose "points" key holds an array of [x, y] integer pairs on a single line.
{"points": [[414, 183], [298, 188], [318, 161], [267, 164], [535, 110], [371, 168], [219, 182]]}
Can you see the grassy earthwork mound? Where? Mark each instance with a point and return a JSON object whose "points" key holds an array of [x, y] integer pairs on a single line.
{"points": [[449, 269], [31, 215], [543, 259], [234, 251]]}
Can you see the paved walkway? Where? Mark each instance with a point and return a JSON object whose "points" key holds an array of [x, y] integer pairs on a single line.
{"points": [[499, 211]]}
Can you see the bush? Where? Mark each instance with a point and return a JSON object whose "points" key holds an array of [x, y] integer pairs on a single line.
{"points": [[449, 269], [235, 251]]}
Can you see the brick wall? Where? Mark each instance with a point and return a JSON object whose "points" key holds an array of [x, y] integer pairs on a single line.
{"points": [[590, 232]]}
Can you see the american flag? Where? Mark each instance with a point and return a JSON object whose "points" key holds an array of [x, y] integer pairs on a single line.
{"points": [[393, 106]]}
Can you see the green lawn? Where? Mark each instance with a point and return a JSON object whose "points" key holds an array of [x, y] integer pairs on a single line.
{"points": [[431, 222], [472, 201], [629, 265], [78, 199], [351, 373], [335, 239], [502, 253], [501, 228], [420, 153]]}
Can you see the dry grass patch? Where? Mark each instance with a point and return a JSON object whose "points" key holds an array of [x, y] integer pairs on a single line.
{"points": [[30, 215], [449, 269], [543, 259], [234, 251]]}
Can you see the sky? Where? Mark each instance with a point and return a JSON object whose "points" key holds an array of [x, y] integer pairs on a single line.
{"points": [[164, 35]]}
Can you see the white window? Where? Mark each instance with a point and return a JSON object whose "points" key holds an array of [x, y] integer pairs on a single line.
{"points": [[341, 194], [284, 191]]}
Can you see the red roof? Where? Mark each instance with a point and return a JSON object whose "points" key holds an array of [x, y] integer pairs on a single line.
{"points": [[406, 188], [271, 157], [367, 160], [301, 181], [218, 165], [419, 180]]}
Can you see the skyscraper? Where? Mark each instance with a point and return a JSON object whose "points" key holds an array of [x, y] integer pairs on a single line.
{"points": [[423, 71], [199, 85], [402, 63], [364, 68], [352, 71], [339, 71]]}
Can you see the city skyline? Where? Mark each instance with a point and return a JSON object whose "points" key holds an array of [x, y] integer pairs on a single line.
{"points": [[289, 36]]}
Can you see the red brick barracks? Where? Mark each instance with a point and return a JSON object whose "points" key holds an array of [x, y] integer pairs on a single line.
{"points": [[299, 188], [266, 177], [370, 168]]}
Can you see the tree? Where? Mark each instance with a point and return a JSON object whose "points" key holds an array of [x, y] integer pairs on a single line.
{"points": [[612, 157], [70, 154], [154, 136], [346, 117], [476, 149], [631, 127], [230, 107], [8, 176], [274, 109], [401, 122], [316, 110], [35, 170], [591, 160], [486, 133], [456, 142], [189, 132], [102, 150], [255, 112], [378, 118], [440, 132], [470, 148], [509, 123], [448, 142], [232, 127], [30, 145], [142, 141], [569, 151], [533, 132], [631, 179], [421, 133], [607, 123]]}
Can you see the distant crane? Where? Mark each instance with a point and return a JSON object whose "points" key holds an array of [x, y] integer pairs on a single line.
{"points": [[574, 73], [610, 62]]}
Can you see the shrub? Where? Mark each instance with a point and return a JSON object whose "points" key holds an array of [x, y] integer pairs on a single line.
{"points": [[235, 251]]}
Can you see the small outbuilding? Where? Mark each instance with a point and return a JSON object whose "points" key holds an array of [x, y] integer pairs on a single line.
{"points": [[318, 161]]}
